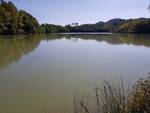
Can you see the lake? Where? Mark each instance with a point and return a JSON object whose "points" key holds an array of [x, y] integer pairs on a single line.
{"points": [[41, 72]]}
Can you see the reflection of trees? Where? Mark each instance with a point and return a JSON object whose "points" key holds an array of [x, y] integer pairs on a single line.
{"points": [[13, 48], [138, 40], [115, 39]]}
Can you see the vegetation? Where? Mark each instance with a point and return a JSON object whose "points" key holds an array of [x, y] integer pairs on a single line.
{"points": [[139, 101], [50, 28], [14, 21], [115, 97], [141, 25]]}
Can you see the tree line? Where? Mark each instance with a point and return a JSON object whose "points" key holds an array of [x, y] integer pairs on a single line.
{"points": [[14, 21]]}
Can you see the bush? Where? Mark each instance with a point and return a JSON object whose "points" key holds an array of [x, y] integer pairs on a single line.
{"points": [[139, 100]]}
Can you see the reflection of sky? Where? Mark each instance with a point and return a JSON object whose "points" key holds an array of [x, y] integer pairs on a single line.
{"points": [[50, 74], [83, 11]]}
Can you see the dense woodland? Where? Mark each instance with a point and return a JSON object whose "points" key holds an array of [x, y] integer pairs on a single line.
{"points": [[14, 21]]}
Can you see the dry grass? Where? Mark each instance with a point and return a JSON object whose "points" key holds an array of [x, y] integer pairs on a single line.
{"points": [[139, 100], [80, 103], [112, 96]]}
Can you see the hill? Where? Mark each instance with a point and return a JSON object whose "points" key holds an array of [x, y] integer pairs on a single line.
{"points": [[140, 25], [14, 21]]}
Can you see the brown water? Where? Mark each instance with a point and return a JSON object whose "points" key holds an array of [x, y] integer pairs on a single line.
{"points": [[41, 72]]}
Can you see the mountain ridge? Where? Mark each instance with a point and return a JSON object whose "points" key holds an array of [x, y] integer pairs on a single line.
{"points": [[14, 21]]}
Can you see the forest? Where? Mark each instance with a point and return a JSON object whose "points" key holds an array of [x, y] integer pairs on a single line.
{"points": [[14, 21]]}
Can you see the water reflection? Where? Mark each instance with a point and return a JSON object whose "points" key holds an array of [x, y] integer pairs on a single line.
{"points": [[12, 48], [116, 39], [58, 64]]}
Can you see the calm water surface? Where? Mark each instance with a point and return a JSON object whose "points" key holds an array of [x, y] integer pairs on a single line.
{"points": [[41, 72]]}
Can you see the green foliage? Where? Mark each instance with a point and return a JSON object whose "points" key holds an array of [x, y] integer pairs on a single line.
{"points": [[89, 28], [50, 28], [27, 23], [8, 18], [141, 25], [13, 21]]}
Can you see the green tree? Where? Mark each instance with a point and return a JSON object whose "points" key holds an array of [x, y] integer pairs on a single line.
{"points": [[13, 21]]}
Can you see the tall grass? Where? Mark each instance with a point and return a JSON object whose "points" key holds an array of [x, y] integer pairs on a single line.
{"points": [[111, 96], [80, 103], [115, 96], [139, 100]]}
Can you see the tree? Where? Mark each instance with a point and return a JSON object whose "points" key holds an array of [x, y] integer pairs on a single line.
{"points": [[13, 21]]}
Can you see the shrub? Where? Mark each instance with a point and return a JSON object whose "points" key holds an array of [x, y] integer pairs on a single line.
{"points": [[139, 100]]}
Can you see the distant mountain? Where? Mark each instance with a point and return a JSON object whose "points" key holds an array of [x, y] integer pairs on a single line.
{"points": [[110, 25], [140, 25], [100, 23], [14, 21], [115, 21]]}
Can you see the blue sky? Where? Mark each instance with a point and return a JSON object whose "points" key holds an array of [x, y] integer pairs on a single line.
{"points": [[83, 11]]}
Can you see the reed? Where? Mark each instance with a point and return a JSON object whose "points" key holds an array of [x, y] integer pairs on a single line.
{"points": [[111, 96], [116, 96], [139, 100]]}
